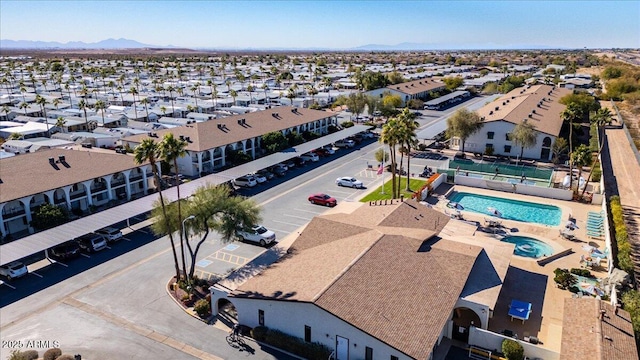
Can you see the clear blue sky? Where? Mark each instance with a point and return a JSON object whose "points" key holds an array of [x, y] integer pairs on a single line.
{"points": [[328, 24]]}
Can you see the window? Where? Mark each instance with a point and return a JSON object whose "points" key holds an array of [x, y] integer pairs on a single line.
{"points": [[488, 148], [307, 333], [490, 135], [507, 148], [261, 317], [368, 353], [394, 357], [507, 136]]}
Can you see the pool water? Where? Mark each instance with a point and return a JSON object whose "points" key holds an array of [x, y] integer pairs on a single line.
{"points": [[510, 209], [529, 247]]}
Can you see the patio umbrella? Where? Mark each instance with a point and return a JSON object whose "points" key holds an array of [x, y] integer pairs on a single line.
{"points": [[591, 289], [566, 181]]}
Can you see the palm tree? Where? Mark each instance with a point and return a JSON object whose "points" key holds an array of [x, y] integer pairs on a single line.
{"points": [[145, 102], [82, 105], [463, 124], [56, 102], [193, 89], [25, 106], [389, 136], [60, 123], [580, 157], [170, 150], [408, 138], [133, 92], [524, 134], [42, 102], [233, 94], [15, 136], [149, 150], [171, 89], [100, 106], [570, 114]]}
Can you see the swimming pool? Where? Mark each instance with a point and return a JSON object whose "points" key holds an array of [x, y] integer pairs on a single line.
{"points": [[529, 247], [510, 209]]}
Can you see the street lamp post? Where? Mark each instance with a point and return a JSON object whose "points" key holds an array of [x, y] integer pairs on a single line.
{"points": [[184, 237]]}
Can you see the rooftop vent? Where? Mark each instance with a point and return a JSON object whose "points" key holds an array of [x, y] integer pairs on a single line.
{"points": [[187, 138], [533, 111], [513, 97], [504, 103], [182, 137], [62, 158], [239, 121], [530, 115], [497, 107], [220, 126], [491, 112], [52, 161]]}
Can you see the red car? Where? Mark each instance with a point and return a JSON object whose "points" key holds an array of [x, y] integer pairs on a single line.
{"points": [[320, 152], [323, 199]]}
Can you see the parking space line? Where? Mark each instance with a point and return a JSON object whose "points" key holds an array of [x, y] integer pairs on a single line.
{"points": [[58, 262], [87, 256], [297, 217], [36, 274], [4, 283], [126, 239], [108, 247], [288, 223], [309, 211]]}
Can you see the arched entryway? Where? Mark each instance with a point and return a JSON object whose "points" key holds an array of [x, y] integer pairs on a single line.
{"points": [[463, 318], [226, 309]]}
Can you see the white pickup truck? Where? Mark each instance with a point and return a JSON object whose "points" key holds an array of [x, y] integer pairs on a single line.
{"points": [[257, 234]]}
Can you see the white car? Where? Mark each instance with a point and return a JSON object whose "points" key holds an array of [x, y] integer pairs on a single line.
{"points": [[13, 270], [110, 234], [245, 181], [259, 178], [310, 157], [345, 143], [349, 182], [330, 150], [257, 234], [367, 135]]}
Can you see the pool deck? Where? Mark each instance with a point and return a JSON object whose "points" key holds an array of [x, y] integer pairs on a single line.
{"points": [[528, 281]]}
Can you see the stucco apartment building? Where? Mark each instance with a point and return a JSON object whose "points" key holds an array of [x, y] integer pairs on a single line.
{"points": [[538, 105], [375, 283], [416, 89], [209, 142], [75, 179]]}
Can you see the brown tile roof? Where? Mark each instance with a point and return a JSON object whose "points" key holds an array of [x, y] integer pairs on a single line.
{"points": [[206, 135], [417, 86], [387, 279], [31, 173], [587, 335], [519, 103]]}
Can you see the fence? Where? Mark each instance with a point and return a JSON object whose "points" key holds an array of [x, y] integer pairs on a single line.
{"points": [[490, 340], [627, 133], [503, 169]]}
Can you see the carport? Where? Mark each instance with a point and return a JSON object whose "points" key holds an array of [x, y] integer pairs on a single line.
{"points": [[43, 240]]}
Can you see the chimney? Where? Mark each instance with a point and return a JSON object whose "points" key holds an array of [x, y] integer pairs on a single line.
{"points": [[239, 121], [182, 137], [52, 161], [188, 139], [61, 158], [220, 126]]}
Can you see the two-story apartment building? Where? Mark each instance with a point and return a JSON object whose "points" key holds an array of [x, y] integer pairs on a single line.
{"points": [[209, 142], [416, 89], [538, 105], [75, 179]]}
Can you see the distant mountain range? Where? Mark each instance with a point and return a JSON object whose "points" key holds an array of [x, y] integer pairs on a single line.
{"points": [[132, 44], [104, 44]]}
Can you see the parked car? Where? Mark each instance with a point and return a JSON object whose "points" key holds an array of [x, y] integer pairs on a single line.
{"points": [[330, 149], [64, 251], [349, 182], [91, 242], [345, 143], [231, 188], [321, 152], [299, 161], [259, 178], [355, 138], [279, 170], [266, 173], [310, 157], [13, 270], [460, 155], [290, 163], [245, 181], [257, 234], [367, 135], [110, 234], [398, 171], [322, 199]]}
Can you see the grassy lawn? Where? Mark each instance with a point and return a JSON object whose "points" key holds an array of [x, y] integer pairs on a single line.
{"points": [[415, 185]]}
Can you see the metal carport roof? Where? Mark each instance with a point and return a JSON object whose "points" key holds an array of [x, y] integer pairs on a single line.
{"points": [[43, 240]]}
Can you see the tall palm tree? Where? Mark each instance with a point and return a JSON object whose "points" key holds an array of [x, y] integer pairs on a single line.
{"points": [[170, 150], [82, 105], [581, 157], [133, 91], [25, 106], [100, 106], [193, 89], [570, 114], [42, 102], [149, 150], [408, 137], [60, 123], [145, 102], [389, 136], [233, 94], [171, 89], [524, 134]]}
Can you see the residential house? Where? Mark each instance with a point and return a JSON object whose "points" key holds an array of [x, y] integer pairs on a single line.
{"points": [[375, 283], [416, 89], [209, 143], [71, 178], [538, 105]]}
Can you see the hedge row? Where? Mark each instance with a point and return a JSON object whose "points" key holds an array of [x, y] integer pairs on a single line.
{"points": [[292, 344], [622, 237]]}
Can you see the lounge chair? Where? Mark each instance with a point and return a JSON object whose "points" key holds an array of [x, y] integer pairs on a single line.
{"points": [[595, 228]]}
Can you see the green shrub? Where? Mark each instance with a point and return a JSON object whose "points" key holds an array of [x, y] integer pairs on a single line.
{"points": [[347, 124], [596, 173], [564, 279], [574, 289], [202, 307], [290, 343], [30, 354], [512, 350], [52, 354], [582, 272]]}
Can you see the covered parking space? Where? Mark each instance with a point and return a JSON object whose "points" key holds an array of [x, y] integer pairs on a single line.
{"points": [[44, 240]]}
